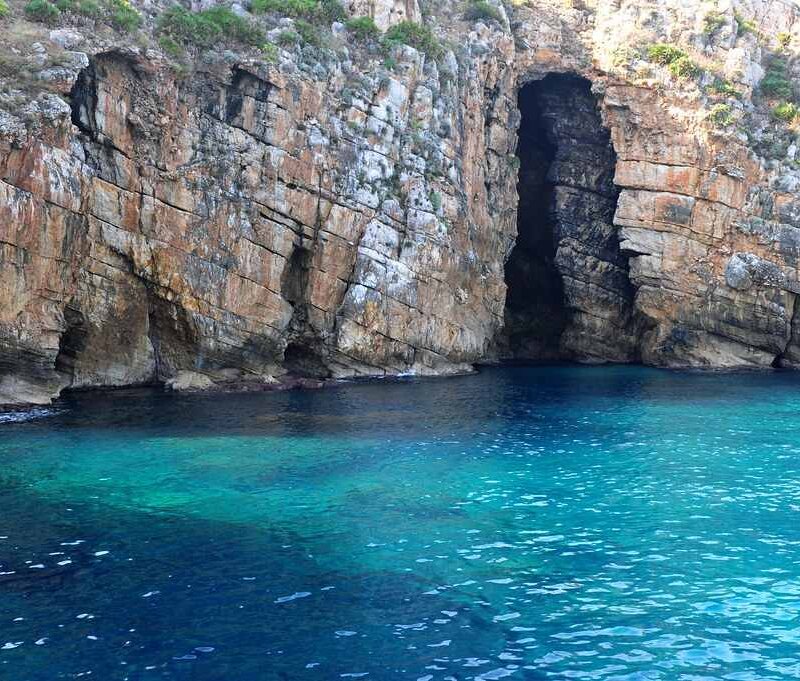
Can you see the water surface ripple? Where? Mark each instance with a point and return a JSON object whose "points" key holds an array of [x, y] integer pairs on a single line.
{"points": [[527, 523]]}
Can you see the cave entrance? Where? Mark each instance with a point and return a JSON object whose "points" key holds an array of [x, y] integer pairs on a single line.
{"points": [[535, 316], [569, 294]]}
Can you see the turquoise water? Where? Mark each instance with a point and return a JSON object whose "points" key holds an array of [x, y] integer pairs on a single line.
{"points": [[528, 523]]}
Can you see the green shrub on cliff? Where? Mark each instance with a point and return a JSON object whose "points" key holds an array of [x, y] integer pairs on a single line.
{"points": [[4, 11], [722, 86], [416, 35], [317, 11], [363, 28], [684, 67], [744, 26], [786, 111], [775, 82], [292, 8], [207, 28], [674, 58], [123, 16], [712, 22], [170, 46], [481, 10], [42, 11], [288, 38], [721, 115], [308, 33], [118, 13], [662, 53], [87, 8]]}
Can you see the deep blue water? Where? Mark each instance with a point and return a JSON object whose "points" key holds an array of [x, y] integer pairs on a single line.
{"points": [[529, 523]]}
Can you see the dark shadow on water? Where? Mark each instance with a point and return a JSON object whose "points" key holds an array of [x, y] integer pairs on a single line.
{"points": [[392, 408]]}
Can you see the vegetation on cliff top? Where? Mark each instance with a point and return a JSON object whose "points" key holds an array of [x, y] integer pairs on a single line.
{"points": [[776, 81], [679, 63], [43, 11], [207, 28], [118, 13], [721, 115], [416, 35], [777, 84], [785, 111], [480, 10], [326, 11], [363, 28]]}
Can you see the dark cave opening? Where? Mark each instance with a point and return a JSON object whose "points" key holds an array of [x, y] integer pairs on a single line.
{"points": [[72, 342], [535, 315], [303, 354], [83, 101], [569, 295]]}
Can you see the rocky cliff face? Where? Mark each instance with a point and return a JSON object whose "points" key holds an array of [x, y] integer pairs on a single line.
{"points": [[349, 209]]}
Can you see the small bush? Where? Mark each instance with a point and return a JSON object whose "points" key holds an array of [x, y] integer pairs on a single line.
{"points": [[88, 8], [786, 111], [721, 115], [721, 86], [363, 28], [783, 40], [664, 54], [292, 8], [170, 46], [416, 35], [684, 67], [288, 38], [234, 27], [775, 82], [481, 10], [308, 33], [4, 10], [270, 52], [679, 63], [331, 10], [207, 28], [436, 201], [743, 25], [123, 16], [318, 11], [712, 22], [42, 11]]}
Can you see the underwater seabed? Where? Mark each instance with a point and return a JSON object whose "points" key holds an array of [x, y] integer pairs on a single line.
{"points": [[607, 522]]}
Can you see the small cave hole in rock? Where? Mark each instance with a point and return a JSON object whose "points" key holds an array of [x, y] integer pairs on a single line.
{"points": [[569, 294], [72, 342], [83, 101], [303, 354]]}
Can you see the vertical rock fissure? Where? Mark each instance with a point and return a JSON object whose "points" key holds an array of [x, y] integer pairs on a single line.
{"points": [[569, 293], [304, 354]]}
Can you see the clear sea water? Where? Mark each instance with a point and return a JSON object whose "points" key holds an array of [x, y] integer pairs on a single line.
{"points": [[525, 523]]}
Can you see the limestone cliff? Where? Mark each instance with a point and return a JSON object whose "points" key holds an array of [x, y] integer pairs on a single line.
{"points": [[325, 201]]}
